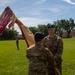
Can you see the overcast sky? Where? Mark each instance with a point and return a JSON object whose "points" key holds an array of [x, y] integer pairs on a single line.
{"points": [[34, 12]]}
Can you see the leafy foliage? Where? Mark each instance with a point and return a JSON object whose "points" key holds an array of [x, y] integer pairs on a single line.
{"points": [[60, 25], [8, 34], [64, 24]]}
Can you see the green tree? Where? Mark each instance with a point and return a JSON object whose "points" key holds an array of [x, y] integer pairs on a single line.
{"points": [[33, 29], [59, 26], [43, 28], [64, 24], [68, 26], [5, 34], [12, 34], [8, 34]]}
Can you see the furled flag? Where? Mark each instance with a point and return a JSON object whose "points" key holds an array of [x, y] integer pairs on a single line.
{"points": [[12, 22], [5, 19], [8, 18], [28, 35]]}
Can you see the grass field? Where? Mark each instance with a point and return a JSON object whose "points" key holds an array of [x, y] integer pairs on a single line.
{"points": [[14, 62], [69, 57]]}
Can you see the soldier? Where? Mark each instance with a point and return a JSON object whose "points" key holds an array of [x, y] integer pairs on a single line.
{"points": [[17, 43], [55, 44], [39, 56]]}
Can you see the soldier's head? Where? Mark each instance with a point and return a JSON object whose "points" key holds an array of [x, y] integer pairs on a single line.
{"points": [[38, 36], [51, 29]]}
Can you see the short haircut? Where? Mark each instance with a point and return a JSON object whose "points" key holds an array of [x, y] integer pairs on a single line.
{"points": [[38, 36]]}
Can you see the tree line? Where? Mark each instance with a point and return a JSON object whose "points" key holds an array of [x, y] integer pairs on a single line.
{"points": [[8, 34], [60, 25]]}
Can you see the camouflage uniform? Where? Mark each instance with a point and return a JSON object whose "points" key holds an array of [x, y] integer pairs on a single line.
{"points": [[17, 43], [55, 45], [39, 57]]}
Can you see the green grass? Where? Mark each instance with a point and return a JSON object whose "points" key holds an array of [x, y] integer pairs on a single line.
{"points": [[69, 57], [14, 62]]}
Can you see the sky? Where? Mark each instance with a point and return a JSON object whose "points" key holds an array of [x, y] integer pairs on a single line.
{"points": [[34, 12]]}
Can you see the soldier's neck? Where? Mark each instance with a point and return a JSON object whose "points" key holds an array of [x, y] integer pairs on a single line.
{"points": [[52, 35], [38, 43]]}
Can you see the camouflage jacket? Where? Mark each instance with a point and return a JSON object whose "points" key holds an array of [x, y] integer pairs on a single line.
{"points": [[55, 45], [38, 57]]}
